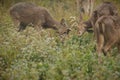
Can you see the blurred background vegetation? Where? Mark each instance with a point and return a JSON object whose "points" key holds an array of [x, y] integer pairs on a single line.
{"points": [[29, 55]]}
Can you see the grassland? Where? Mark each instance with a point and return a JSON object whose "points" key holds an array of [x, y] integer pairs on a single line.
{"points": [[31, 55]]}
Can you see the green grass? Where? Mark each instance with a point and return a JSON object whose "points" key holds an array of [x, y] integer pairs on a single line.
{"points": [[31, 55]]}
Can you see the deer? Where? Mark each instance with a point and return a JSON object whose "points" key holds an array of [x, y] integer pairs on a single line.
{"points": [[27, 13], [105, 8]]}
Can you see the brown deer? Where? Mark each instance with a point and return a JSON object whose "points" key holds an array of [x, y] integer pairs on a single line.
{"points": [[106, 8], [24, 14], [107, 33]]}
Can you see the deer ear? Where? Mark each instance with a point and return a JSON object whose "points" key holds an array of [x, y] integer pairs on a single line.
{"points": [[63, 22]]}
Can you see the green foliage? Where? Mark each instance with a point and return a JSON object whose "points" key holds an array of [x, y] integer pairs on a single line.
{"points": [[32, 55]]}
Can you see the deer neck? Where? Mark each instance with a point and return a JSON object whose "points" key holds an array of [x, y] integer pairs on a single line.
{"points": [[53, 24]]}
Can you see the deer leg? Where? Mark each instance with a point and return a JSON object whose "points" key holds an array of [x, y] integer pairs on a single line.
{"points": [[22, 26], [108, 45], [100, 43], [118, 46]]}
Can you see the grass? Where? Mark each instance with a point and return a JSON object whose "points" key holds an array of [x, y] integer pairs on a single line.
{"points": [[31, 55]]}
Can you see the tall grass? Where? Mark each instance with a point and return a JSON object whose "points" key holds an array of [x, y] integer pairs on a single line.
{"points": [[32, 55]]}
